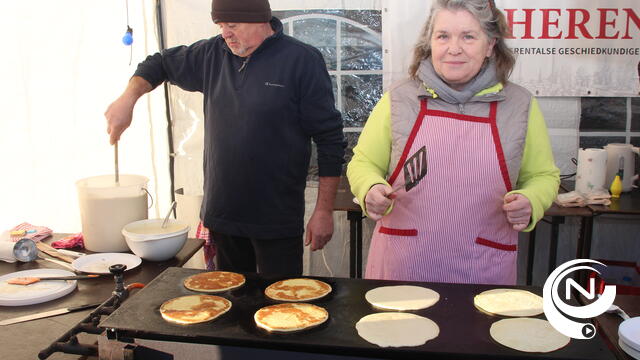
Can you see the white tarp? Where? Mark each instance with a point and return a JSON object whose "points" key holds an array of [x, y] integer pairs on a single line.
{"points": [[565, 48], [63, 63]]}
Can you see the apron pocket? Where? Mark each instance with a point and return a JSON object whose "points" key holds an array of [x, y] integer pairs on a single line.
{"points": [[496, 245], [398, 232]]}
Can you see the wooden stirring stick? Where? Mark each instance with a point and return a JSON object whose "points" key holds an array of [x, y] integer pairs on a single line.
{"points": [[116, 158]]}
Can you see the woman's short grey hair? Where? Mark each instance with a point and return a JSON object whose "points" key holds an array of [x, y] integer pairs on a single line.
{"points": [[493, 23]]}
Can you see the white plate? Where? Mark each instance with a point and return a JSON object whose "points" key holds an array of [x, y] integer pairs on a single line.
{"points": [[629, 332], [629, 350], [39, 292], [99, 263]]}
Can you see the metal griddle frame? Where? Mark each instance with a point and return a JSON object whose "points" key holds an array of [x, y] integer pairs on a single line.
{"points": [[68, 343], [464, 330]]}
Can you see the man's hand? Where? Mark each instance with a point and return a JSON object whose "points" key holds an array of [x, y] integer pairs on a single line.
{"points": [[120, 112], [119, 115], [319, 229], [518, 210], [378, 200]]}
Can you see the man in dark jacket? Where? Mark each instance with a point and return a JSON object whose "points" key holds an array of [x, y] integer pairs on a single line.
{"points": [[266, 95]]}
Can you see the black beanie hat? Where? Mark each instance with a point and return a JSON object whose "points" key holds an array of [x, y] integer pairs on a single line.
{"points": [[240, 11]]}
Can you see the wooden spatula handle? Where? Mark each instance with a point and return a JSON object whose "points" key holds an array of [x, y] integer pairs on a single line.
{"points": [[49, 250]]}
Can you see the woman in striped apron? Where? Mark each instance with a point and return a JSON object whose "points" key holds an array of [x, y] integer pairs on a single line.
{"points": [[454, 161]]}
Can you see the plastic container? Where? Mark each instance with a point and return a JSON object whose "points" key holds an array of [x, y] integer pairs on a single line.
{"points": [[150, 241], [106, 207]]}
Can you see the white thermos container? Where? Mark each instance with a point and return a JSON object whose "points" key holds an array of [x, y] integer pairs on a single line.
{"points": [[628, 152]]}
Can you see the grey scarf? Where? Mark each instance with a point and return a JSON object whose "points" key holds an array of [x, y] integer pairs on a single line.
{"points": [[484, 79]]}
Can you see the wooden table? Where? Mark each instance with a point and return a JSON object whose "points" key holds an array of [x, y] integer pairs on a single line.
{"points": [[628, 204], [25, 340], [607, 324], [558, 215]]}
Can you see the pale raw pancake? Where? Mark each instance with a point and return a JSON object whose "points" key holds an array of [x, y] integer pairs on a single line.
{"points": [[402, 297], [509, 302], [396, 329], [290, 317], [528, 335], [214, 281], [297, 290], [193, 309]]}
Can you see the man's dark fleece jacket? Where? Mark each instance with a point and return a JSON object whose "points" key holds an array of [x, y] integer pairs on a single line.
{"points": [[260, 115]]}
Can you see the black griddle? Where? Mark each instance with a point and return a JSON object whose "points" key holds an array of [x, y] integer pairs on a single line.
{"points": [[464, 330]]}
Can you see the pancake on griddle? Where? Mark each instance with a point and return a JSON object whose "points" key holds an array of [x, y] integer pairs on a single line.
{"points": [[290, 317], [402, 297], [397, 329], [300, 289], [214, 281], [509, 302], [528, 335], [193, 309]]}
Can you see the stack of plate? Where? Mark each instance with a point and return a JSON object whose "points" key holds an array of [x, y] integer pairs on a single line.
{"points": [[629, 337]]}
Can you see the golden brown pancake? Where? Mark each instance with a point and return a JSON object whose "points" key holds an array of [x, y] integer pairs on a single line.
{"points": [[193, 309], [300, 289], [214, 281], [290, 317]]}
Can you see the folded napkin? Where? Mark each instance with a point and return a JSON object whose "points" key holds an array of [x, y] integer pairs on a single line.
{"points": [[33, 232], [570, 199], [598, 197], [576, 199]]}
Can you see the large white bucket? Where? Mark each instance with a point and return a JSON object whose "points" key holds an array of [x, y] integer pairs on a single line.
{"points": [[106, 207]]}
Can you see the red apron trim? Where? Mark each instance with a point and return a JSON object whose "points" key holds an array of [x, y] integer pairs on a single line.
{"points": [[412, 137], [496, 245], [496, 141], [399, 232], [457, 116]]}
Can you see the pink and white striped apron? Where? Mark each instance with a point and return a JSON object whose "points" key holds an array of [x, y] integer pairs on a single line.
{"points": [[449, 227]]}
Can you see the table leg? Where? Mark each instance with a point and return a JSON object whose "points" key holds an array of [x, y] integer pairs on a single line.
{"points": [[355, 245], [583, 248], [352, 244], [530, 253], [553, 242], [588, 231]]}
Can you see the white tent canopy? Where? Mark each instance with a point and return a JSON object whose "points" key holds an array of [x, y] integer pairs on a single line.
{"points": [[62, 65]]}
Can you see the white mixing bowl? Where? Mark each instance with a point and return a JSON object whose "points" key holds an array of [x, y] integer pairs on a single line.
{"points": [[148, 240]]}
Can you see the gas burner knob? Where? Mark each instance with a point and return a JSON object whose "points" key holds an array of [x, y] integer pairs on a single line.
{"points": [[117, 269]]}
